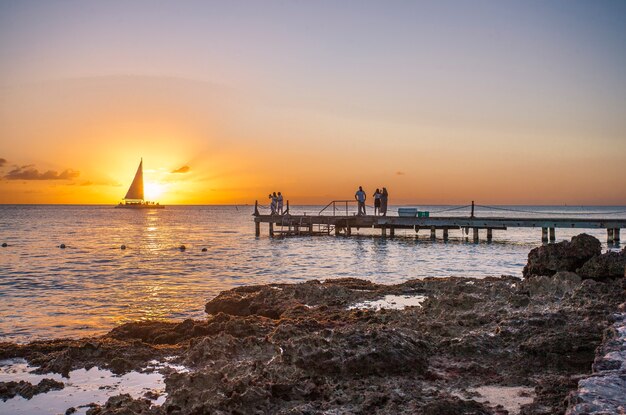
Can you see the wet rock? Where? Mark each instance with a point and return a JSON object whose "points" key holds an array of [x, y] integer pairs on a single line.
{"points": [[604, 392], [125, 405], [27, 390], [607, 265], [599, 395], [560, 284], [273, 300], [63, 356], [454, 406], [563, 256], [357, 351], [152, 395], [160, 332], [119, 366]]}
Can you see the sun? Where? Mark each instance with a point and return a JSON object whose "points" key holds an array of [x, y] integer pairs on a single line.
{"points": [[152, 191]]}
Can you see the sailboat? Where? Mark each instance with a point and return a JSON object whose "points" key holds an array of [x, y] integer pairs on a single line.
{"points": [[134, 197]]}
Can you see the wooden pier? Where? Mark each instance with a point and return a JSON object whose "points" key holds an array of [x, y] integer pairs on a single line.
{"points": [[342, 224]]}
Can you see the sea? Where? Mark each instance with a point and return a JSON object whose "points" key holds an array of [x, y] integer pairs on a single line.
{"points": [[93, 285]]}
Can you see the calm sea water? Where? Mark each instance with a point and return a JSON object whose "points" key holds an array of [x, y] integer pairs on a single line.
{"points": [[93, 285]]}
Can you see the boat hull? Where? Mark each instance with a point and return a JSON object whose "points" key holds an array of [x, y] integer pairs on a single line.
{"points": [[129, 206]]}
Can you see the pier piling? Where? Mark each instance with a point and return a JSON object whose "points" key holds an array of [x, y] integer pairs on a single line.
{"points": [[616, 237], [544, 235], [475, 234], [552, 235], [489, 234], [271, 229], [445, 234], [257, 228], [433, 233]]}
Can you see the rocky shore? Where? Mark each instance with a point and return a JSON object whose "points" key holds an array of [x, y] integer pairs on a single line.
{"points": [[466, 346]]}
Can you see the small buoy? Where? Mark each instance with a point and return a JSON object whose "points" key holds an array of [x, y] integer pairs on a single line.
{"points": [[123, 247], [62, 246], [4, 245], [182, 247], [204, 249]]}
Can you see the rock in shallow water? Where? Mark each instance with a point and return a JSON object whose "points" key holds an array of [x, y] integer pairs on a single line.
{"points": [[607, 265], [27, 390], [563, 256]]}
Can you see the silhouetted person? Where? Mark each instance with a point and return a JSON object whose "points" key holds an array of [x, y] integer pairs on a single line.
{"points": [[360, 197], [384, 200], [272, 204], [279, 200], [377, 197]]}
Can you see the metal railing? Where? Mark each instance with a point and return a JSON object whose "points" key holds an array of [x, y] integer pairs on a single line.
{"points": [[334, 204], [340, 205]]}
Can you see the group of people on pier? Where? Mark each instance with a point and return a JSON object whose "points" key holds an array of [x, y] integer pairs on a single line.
{"points": [[276, 204], [381, 199]]}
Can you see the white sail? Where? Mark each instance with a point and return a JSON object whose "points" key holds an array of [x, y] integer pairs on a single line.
{"points": [[135, 192]]}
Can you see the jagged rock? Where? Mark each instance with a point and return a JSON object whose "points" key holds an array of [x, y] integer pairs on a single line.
{"points": [[27, 390], [358, 352], [607, 265], [604, 392], [273, 300], [454, 406], [561, 283], [563, 256], [125, 405]]}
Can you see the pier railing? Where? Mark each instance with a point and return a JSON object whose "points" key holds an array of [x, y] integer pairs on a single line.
{"points": [[334, 203]]}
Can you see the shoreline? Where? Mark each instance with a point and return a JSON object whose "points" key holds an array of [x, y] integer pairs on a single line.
{"points": [[462, 346]]}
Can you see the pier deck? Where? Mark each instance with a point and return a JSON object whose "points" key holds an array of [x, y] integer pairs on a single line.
{"points": [[289, 224]]}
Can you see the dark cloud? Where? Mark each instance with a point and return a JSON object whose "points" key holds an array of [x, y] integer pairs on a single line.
{"points": [[31, 173], [3, 162], [183, 169], [399, 173], [99, 183]]}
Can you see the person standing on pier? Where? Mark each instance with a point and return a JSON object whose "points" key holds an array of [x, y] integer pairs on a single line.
{"points": [[384, 199], [279, 200], [360, 197], [273, 202], [377, 196]]}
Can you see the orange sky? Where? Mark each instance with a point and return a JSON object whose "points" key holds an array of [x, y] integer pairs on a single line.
{"points": [[256, 106]]}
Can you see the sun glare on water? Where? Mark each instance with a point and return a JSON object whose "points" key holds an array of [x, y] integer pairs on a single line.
{"points": [[152, 191]]}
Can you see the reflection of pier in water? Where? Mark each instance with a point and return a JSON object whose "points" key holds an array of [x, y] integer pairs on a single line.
{"points": [[341, 221]]}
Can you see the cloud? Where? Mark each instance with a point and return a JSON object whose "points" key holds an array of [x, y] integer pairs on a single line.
{"points": [[400, 173], [3, 162], [183, 169], [31, 173], [111, 183]]}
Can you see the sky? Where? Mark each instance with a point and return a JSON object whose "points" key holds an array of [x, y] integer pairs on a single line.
{"points": [[442, 102]]}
